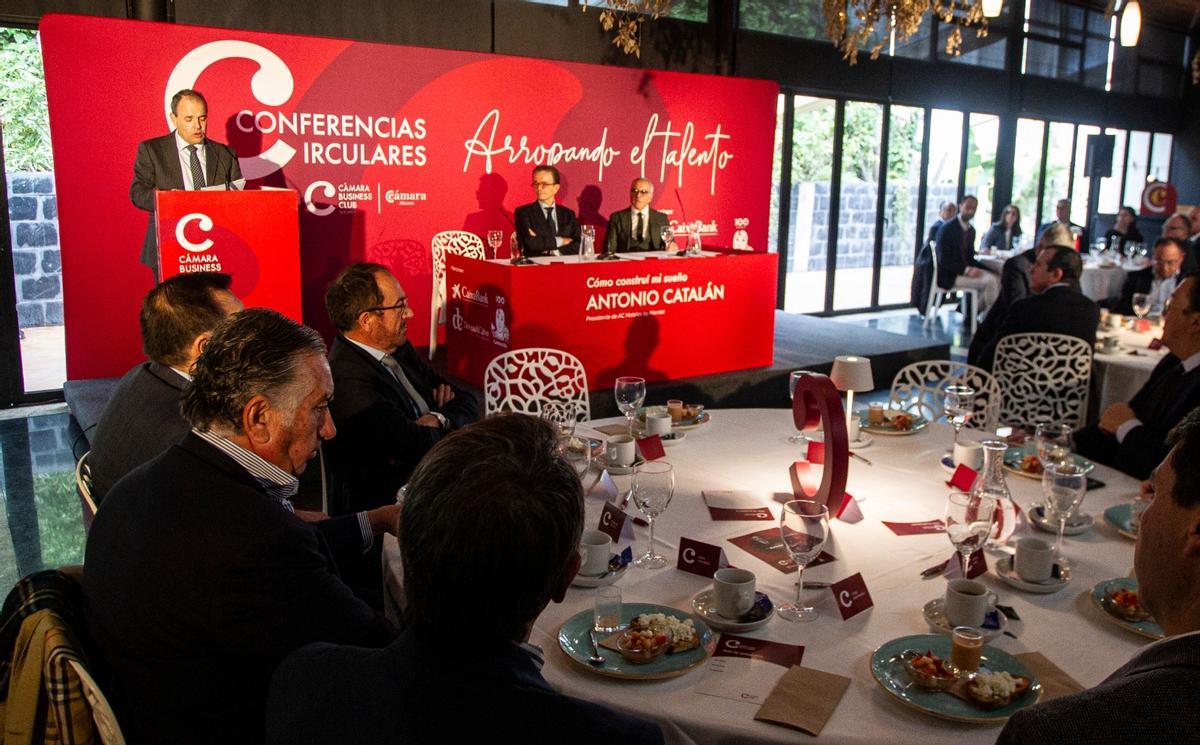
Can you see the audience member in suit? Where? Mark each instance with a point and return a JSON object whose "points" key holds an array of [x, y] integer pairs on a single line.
{"points": [[1014, 286], [1056, 307], [170, 162], [391, 406], [1194, 221], [1150, 698], [1123, 231], [1177, 226], [1062, 212], [1003, 234], [198, 578], [495, 515], [546, 228], [957, 266], [1132, 437], [1157, 281], [638, 228], [946, 212]]}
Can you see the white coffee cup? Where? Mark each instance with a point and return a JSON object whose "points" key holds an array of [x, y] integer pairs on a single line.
{"points": [[595, 548], [620, 450], [852, 432], [1110, 343], [1034, 561], [1115, 320], [658, 423], [733, 591], [969, 454], [967, 602]]}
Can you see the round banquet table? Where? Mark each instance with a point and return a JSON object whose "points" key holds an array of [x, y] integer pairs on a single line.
{"points": [[1101, 280], [746, 449], [1122, 372]]}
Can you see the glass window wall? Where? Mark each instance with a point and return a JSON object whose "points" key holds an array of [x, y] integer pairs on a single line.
{"points": [[861, 139]]}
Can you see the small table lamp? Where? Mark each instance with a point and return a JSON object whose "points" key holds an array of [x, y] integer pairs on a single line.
{"points": [[850, 374]]}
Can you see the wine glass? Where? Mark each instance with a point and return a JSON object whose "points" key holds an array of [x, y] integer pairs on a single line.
{"points": [[653, 487], [495, 238], [1064, 486], [668, 237], [1054, 443], [630, 392], [793, 377], [959, 406], [804, 527], [1141, 304], [968, 523]]}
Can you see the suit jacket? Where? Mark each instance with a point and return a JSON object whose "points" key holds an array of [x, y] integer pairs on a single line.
{"points": [[1139, 281], [955, 252], [196, 585], [618, 238], [1120, 239], [400, 695], [1148, 700], [997, 237], [377, 443], [532, 217], [142, 420], [1014, 286], [1057, 310], [157, 167]]}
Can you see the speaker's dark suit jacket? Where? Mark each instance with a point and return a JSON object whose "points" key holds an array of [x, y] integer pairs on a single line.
{"points": [[1058, 310], [955, 252], [1162, 402], [1150, 699], [533, 217], [377, 443], [424, 688], [1014, 286], [196, 585], [619, 237], [157, 167]]}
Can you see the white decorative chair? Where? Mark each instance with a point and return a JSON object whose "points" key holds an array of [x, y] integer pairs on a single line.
{"points": [[459, 243], [524, 380], [83, 485], [1043, 378], [921, 387], [938, 295]]}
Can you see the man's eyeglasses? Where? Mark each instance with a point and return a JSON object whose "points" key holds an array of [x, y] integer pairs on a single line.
{"points": [[639, 191], [546, 184], [400, 306]]}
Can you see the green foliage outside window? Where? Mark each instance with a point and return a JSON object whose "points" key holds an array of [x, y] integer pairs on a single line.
{"points": [[23, 102]]}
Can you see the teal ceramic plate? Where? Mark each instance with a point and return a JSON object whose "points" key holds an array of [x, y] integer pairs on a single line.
{"points": [[889, 672], [1121, 518], [887, 428], [1013, 456], [573, 638], [1100, 595]]}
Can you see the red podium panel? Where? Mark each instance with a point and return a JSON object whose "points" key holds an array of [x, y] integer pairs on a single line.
{"points": [[252, 235], [658, 318]]}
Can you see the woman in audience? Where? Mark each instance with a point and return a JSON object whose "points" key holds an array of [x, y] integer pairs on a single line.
{"points": [[1004, 232], [1124, 231]]}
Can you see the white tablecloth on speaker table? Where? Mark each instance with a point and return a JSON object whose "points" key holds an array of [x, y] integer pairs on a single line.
{"points": [[746, 449]]}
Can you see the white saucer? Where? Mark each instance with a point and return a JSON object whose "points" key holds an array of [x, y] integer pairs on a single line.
{"points": [[935, 616], [1080, 523], [672, 439], [602, 461], [1004, 570], [582, 580], [702, 604]]}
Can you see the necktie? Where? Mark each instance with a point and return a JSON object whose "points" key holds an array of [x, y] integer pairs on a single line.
{"points": [[550, 219], [419, 406], [641, 228], [194, 166]]}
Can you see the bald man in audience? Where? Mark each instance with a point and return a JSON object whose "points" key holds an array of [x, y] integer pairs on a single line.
{"points": [[1179, 227], [1151, 698], [1157, 281], [1132, 437]]}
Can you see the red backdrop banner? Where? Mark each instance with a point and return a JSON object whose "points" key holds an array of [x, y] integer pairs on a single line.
{"points": [[386, 145]]}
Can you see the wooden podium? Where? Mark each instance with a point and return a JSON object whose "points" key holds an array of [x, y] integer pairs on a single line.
{"points": [[254, 236]]}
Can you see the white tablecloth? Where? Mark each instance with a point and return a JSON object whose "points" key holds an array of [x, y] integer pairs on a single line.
{"points": [[1122, 372], [747, 449], [1097, 282]]}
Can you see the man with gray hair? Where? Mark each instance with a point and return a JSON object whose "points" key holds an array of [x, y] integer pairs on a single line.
{"points": [[198, 577], [492, 514]]}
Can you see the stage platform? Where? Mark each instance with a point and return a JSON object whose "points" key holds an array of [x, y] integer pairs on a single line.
{"points": [[801, 343]]}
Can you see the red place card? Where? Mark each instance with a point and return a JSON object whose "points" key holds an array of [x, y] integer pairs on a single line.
{"points": [[699, 558], [784, 655], [1156, 344], [730, 505], [768, 546], [929, 526], [963, 477], [651, 447], [849, 512], [976, 566], [852, 596], [1141, 325], [614, 522]]}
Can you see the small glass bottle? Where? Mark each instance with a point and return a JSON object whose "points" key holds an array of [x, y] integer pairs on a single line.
{"points": [[990, 483]]}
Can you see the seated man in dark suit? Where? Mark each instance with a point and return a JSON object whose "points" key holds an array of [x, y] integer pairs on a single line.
{"points": [[1062, 214], [1157, 281], [1056, 307], [492, 516], [1150, 698], [546, 228], [198, 579], [1178, 227], [957, 266], [391, 406], [1132, 437], [945, 213], [638, 228]]}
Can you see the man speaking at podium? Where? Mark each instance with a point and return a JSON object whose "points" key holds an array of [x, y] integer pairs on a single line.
{"points": [[183, 159]]}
